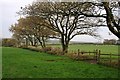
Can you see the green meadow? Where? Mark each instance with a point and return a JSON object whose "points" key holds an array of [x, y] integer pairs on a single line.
{"points": [[106, 49], [21, 63]]}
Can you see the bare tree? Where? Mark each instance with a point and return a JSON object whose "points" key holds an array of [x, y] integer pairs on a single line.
{"points": [[63, 18], [107, 12], [30, 28]]}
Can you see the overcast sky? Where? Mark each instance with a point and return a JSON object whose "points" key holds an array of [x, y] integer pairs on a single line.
{"points": [[8, 16]]}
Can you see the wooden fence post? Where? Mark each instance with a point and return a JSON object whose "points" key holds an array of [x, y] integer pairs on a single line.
{"points": [[98, 56]]}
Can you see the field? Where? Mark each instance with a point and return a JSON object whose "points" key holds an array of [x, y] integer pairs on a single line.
{"points": [[106, 49], [21, 63]]}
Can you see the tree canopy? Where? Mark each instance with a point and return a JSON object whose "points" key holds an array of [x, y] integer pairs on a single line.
{"points": [[32, 29], [65, 20]]}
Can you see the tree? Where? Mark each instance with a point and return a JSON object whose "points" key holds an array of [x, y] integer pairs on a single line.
{"points": [[110, 41], [106, 12], [62, 18], [21, 32], [30, 29], [112, 23], [9, 42]]}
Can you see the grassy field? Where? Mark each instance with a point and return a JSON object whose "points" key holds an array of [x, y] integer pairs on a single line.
{"points": [[21, 63], [106, 49]]}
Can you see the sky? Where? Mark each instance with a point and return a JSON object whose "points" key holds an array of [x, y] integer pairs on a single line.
{"points": [[8, 16]]}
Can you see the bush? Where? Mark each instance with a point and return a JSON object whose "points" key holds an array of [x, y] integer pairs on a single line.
{"points": [[35, 49], [56, 51], [114, 64], [46, 49], [74, 55], [9, 42], [49, 50], [23, 46]]}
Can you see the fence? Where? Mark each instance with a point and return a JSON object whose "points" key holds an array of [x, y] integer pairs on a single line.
{"points": [[97, 56], [110, 59]]}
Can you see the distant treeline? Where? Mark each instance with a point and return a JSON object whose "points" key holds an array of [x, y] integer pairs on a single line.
{"points": [[10, 42], [111, 41]]}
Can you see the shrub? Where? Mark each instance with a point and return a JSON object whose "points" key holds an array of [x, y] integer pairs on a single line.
{"points": [[9, 42], [46, 49], [75, 56], [114, 64], [23, 46], [56, 51], [72, 55]]}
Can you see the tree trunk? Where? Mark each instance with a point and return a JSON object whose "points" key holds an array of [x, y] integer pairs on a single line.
{"points": [[64, 44], [113, 27], [26, 42], [31, 42], [36, 44], [64, 49], [40, 42], [43, 41]]}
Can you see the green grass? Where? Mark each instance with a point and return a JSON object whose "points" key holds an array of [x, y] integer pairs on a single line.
{"points": [[106, 49], [21, 63]]}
